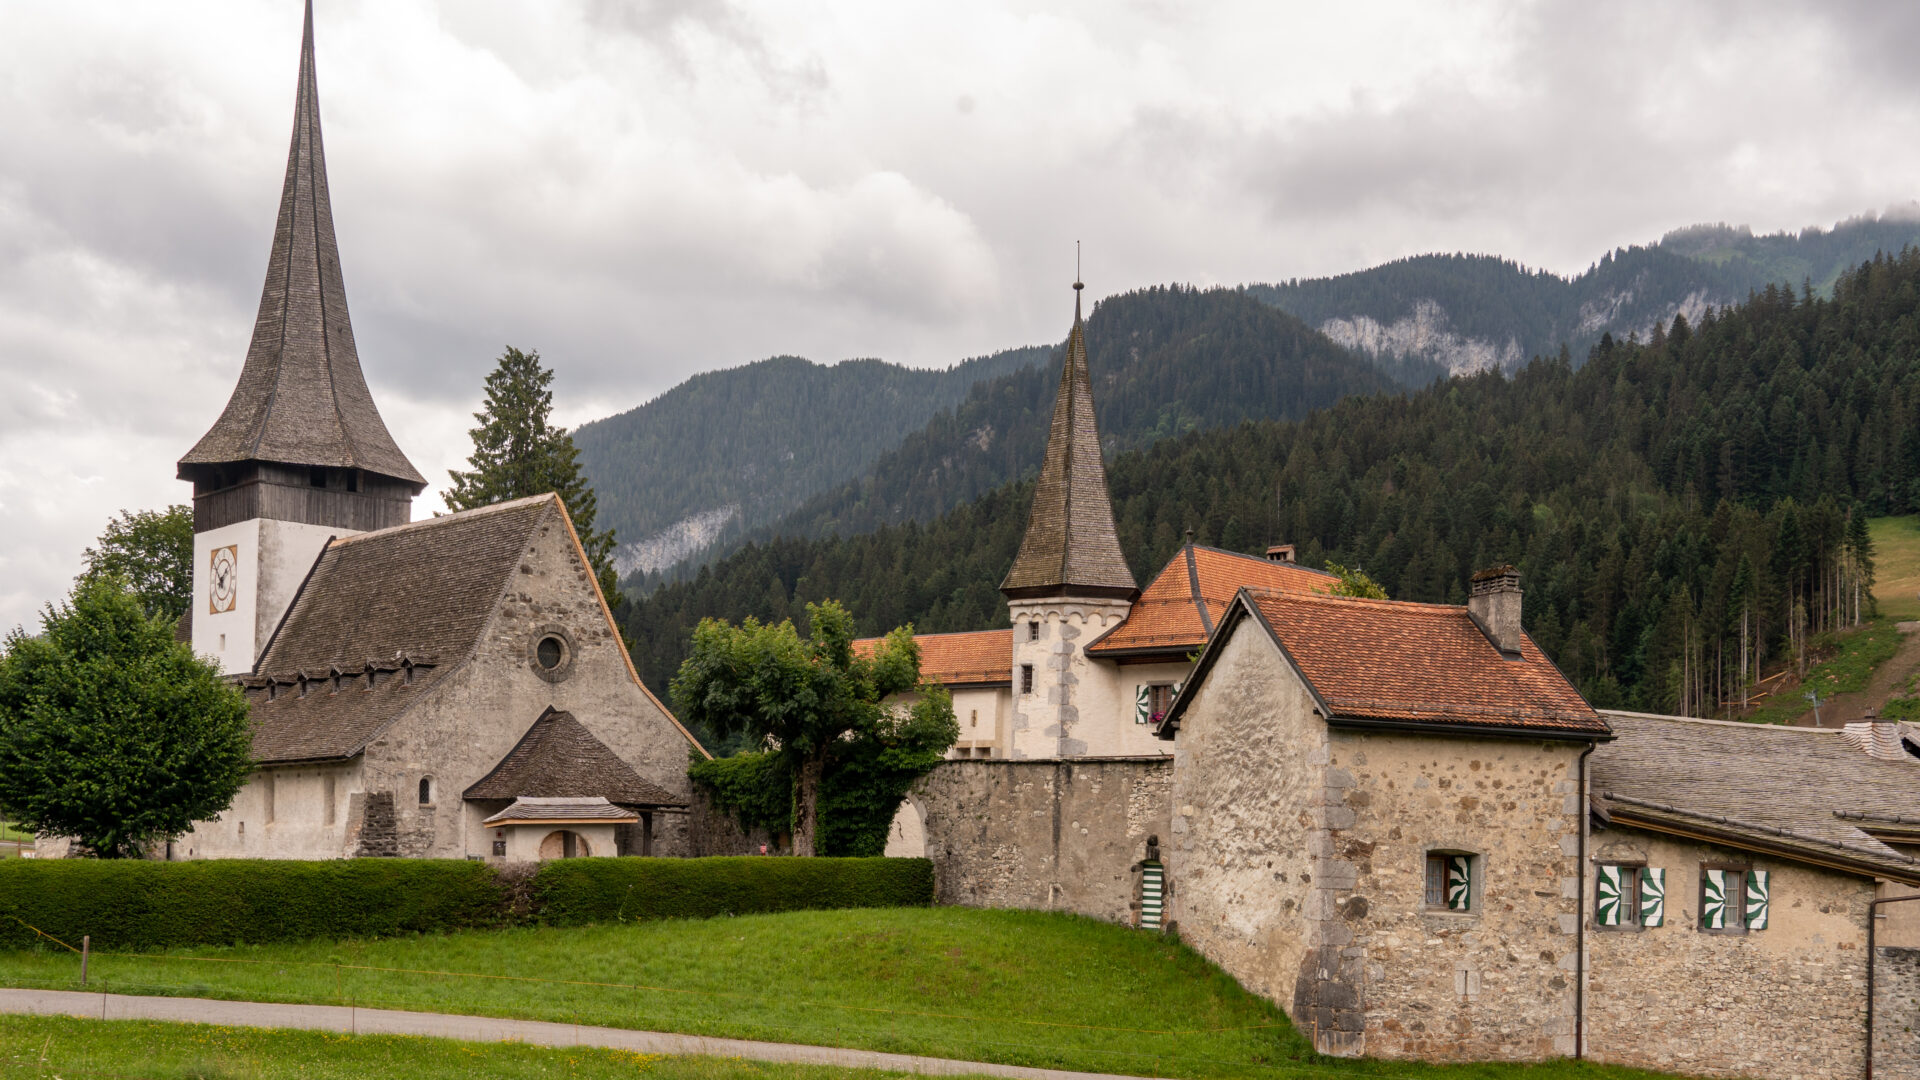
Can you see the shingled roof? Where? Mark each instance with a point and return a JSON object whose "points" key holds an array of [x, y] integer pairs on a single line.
{"points": [[1070, 547], [1392, 664], [301, 398], [1177, 612], [423, 592], [1799, 793], [973, 658], [558, 758]]}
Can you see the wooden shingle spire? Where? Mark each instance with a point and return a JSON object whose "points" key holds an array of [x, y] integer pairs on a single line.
{"points": [[1071, 548], [301, 399]]}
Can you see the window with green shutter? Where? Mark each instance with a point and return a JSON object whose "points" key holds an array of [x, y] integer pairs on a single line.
{"points": [[1653, 896], [1450, 881], [1143, 704], [1723, 899], [1759, 889], [1616, 894]]}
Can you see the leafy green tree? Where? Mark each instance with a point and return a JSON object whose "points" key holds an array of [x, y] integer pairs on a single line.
{"points": [[803, 698], [153, 551], [1355, 582], [517, 453], [112, 733]]}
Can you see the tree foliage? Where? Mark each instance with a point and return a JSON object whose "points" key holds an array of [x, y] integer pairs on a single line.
{"points": [[1355, 582], [517, 453], [112, 733], [1683, 509], [815, 702], [153, 551]]}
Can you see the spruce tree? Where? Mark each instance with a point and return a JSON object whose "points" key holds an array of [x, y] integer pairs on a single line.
{"points": [[517, 453]]}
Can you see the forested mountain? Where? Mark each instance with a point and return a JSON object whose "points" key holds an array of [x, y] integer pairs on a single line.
{"points": [[1666, 501], [729, 450], [1466, 313]]}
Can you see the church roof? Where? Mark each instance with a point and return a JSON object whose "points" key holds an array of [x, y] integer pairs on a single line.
{"points": [[1177, 612], [975, 658], [559, 759], [1802, 793], [1070, 547], [1393, 664], [301, 398], [424, 592]]}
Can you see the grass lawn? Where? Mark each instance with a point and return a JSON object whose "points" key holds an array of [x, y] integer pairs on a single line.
{"points": [[1847, 671], [1896, 565], [62, 1047], [1019, 987]]}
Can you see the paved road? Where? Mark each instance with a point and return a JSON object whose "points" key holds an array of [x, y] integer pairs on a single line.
{"points": [[260, 1014]]}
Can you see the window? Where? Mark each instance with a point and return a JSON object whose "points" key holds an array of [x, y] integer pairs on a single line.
{"points": [[1450, 880], [499, 849], [1734, 899], [426, 791], [317, 477], [1616, 894], [1152, 700], [1026, 678], [1033, 631], [551, 651]]}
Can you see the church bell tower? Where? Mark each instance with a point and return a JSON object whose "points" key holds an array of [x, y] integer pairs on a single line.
{"points": [[300, 454], [1069, 583]]}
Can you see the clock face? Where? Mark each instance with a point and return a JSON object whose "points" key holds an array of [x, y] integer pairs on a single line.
{"points": [[224, 584]]}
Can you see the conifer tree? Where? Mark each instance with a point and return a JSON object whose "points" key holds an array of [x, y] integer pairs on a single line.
{"points": [[517, 453]]}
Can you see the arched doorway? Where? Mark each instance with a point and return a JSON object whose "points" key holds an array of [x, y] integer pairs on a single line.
{"points": [[908, 836], [564, 845]]}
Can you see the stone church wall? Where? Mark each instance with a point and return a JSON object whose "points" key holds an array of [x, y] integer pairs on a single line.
{"points": [[1046, 835], [1785, 1002]]}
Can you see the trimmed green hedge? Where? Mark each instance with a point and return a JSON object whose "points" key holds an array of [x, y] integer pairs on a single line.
{"points": [[575, 891], [133, 904]]}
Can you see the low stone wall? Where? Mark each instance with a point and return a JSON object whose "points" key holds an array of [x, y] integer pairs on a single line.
{"points": [[708, 830], [1050, 835], [1896, 1013]]}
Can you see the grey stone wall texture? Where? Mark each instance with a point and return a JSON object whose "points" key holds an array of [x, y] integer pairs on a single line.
{"points": [[1896, 1024], [1786, 1001], [1047, 835]]}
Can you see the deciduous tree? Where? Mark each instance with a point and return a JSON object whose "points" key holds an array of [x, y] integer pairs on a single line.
{"points": [[153, 551]]}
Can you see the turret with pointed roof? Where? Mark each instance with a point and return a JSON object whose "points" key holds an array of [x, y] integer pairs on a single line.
{"points": [[300, 439], [1071, 548]]}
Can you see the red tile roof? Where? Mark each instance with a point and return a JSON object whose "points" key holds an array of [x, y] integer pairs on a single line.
{"points": [[1391, 661], [1167, 616], [976, 658]]}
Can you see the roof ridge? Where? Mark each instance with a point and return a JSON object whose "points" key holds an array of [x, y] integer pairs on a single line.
{"points": [[1365, 601], [1264, 561], [1748, 724], [447, 518]]}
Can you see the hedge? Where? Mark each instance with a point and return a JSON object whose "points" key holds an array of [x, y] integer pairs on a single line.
{"points": [[134, 904], [575, 891]]}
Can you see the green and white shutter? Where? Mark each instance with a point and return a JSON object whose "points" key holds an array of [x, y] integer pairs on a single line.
{"points": [[1758, 894], [1459, 882], [1653, 896], [1606, 906], [1143, 704], [1713, 899], [1153, 889]]}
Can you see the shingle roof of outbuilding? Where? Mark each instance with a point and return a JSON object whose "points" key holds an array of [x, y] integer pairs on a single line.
{"points": [[555, 811], [1763, 787], [558, 758], [423, 591], [1404, 665], [1070, 547], [1180, 607], [301, 398], [972, 658]]}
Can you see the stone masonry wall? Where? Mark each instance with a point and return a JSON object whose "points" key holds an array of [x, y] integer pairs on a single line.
{"points": [[1299, 853], [1787, 1002], [1048, 835], [1896, 1023]]}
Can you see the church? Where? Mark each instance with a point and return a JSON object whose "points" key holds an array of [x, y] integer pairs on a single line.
{"points": [[453, 687]]}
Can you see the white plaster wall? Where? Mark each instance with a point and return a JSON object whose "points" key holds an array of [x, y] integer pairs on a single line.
{"points": [[281, 813], [982, 715], [271, 560], [1074, 709], [523, 841]]}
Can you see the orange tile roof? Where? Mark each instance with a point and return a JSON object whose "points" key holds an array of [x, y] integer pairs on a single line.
{"points": [[1388, 660], [974, 658], [1167, 615]]}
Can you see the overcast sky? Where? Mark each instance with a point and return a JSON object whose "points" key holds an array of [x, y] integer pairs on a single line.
{"points": [[647, 190]]}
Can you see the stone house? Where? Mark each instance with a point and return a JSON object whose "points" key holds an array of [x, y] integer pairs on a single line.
{"points": [[452, 687]]}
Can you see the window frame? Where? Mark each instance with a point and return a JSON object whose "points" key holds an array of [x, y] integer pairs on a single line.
{"points": [[1475, 869], [1033, 629], [1737, 904], [1026, 679], [1630, 896], [426, 791], [1157, 710]]}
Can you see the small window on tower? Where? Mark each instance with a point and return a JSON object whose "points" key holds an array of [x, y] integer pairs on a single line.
{"points": [[317, 477], [1026, 678], [1033, 631], [353, 479]]}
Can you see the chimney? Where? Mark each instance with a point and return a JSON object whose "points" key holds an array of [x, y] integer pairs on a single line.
{"points": [[1280, 553], [1494, 605]]}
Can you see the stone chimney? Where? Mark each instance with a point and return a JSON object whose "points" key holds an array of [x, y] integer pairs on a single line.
{"points": [[1494, 604], [1281, 553]]}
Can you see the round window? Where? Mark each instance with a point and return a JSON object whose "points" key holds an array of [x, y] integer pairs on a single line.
{"points": [[550, 652]]}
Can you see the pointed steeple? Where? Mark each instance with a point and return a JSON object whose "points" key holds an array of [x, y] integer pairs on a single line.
{"points": [[301, 400], [1071, 548]]}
